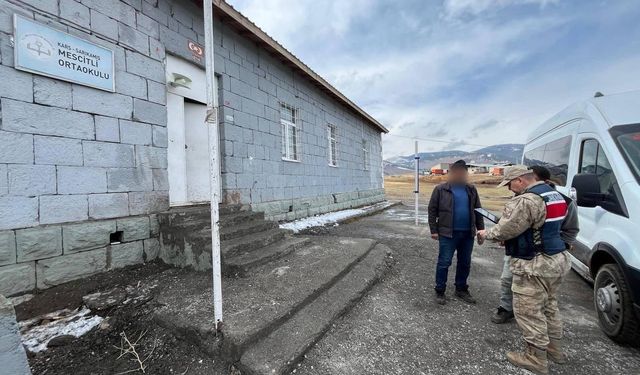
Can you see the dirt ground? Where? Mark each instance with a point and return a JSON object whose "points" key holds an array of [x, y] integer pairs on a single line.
{"points": [[397, 328], [402, 187], [98, 352]]}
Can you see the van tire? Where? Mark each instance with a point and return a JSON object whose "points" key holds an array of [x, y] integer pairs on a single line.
{"points": [[626, 329]]}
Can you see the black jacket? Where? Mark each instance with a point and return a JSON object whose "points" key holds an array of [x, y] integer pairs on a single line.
{"points": [[441, 210]]}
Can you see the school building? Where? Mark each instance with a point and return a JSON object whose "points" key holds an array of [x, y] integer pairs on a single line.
{"points": [[102, 129]]}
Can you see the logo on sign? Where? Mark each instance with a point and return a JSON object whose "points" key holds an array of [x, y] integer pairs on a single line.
{"points": [[196, 50], [38, 46]]}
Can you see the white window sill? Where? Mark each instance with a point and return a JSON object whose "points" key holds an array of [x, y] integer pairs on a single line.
{"points": [[292, 160]]}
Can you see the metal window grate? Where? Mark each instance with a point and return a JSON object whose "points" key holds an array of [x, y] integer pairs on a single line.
{"points": [[332, 142], [365, 155]]}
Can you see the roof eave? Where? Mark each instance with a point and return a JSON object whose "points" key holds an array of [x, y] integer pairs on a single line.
{"points": [[235, 19]]}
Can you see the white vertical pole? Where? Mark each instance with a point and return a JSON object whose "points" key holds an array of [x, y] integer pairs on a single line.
{"points": [[214, 160], [417, 185]]}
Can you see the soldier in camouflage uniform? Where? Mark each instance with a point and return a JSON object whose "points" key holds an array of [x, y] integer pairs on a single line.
{"points": [[569, 232], [530, 228]]}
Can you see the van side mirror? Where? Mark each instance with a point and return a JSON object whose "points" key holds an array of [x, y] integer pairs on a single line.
{"points": [[587, 189]]}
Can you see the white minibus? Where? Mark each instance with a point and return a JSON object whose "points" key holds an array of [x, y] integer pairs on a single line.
{"points": [[592, 149]]}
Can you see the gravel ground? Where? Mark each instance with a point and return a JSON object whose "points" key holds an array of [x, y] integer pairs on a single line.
{"points": [[399, 329]]}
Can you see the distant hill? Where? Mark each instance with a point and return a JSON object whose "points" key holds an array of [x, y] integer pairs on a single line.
{"points": [[503, 153]]}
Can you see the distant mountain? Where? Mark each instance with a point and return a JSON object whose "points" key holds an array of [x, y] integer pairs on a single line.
{"points": [[391, 169], [496, 154]]}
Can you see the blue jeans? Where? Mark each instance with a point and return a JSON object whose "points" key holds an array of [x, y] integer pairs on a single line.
{"points": [[462, 243]]}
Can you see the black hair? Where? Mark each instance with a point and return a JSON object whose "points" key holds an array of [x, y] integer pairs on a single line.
{"points": [[460, 164], [542, 173]]}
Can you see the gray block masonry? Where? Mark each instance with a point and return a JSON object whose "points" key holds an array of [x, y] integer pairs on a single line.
{"points": [[49, 255], [12, 355], [286, 210], [81, 168]]}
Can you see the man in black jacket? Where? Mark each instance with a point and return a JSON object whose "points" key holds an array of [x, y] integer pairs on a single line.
{"points": [[453, 223]]}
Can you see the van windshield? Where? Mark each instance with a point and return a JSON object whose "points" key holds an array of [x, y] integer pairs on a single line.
{"points": [[627, 138]]}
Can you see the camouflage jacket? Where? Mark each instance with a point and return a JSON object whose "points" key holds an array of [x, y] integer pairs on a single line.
{"points": [[521, 213], [542, 265]]}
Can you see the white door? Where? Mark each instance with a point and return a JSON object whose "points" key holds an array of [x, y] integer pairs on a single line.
{"points": [[188, 152], [197, 152], [177, 158], [593, 159]]}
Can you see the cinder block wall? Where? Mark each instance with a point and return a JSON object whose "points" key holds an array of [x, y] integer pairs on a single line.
{"points": [[253, 85], [78, 165]]}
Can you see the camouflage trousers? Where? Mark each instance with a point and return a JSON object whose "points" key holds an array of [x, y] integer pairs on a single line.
{"points": [[535, 289]]}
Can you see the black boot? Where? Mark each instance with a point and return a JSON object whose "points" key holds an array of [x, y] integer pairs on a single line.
{"points": [[440, 298], [502, 316], [465, 296]]}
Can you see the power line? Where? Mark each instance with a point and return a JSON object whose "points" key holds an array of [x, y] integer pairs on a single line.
{"points": [[436, 140]]}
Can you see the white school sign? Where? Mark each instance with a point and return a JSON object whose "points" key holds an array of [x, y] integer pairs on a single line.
{"points": [[43, 50]]}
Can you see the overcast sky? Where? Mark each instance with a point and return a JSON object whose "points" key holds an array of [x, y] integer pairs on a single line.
{"points": [[479, 72]]}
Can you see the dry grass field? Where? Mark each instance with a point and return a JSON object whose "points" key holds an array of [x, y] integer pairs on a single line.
{"points": [[401, 188]]}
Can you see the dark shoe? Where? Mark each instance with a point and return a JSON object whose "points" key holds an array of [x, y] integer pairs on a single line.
{"points": [[465, 296], [440, 298], [502, 316]]}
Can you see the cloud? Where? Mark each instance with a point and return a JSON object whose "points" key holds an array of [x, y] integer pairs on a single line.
{"points": [[455, 144], [290, 22], [458, 8], [467, 72], [484, 126]]}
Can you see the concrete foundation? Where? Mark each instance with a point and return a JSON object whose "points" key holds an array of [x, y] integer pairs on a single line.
{"points": [[49, 255], [291, 209]]}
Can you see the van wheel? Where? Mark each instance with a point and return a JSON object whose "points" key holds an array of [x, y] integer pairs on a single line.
{"points": [[613, 304]]}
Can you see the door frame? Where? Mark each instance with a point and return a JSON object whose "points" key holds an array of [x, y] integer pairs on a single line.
{"points": [[192, 90]]}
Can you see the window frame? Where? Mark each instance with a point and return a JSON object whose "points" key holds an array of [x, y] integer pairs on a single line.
{"points": [[618, 131], [332, 143], [365, 155], [285, 127], [618, 207], [543, 149], [581, 158]]}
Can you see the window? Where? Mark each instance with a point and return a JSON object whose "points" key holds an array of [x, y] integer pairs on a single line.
{"points": [[289, 124], [331, 139], [365, 155], [594, 161], [627, 138], [554, 156]]}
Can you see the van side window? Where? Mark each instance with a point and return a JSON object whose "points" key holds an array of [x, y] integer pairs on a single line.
{"points": [[553, 155], [593, 160]]}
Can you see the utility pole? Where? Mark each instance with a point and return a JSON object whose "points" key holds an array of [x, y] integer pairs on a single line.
{"points": [[214, 161], [416, 159]]}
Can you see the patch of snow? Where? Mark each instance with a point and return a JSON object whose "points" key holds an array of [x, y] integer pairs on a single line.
{"points": [[332, 218], [280, 271], [36, 337]]}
